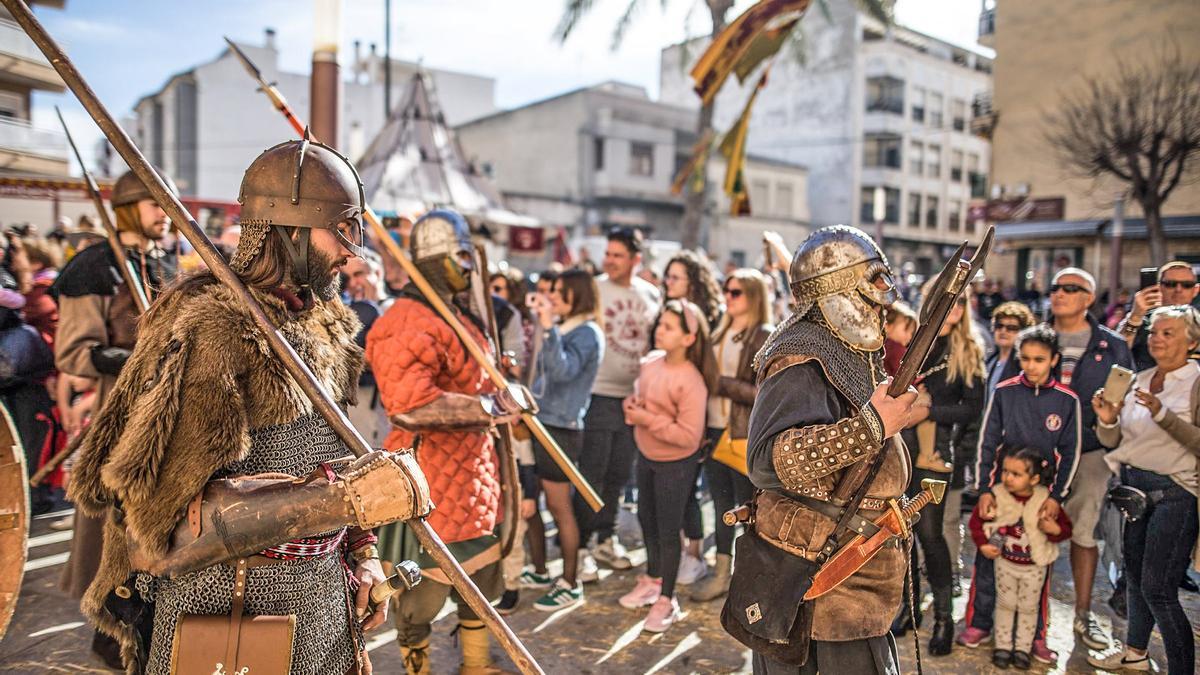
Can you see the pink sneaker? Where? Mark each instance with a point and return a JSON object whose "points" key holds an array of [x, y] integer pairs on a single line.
{"points": [[1043, 653], [644, 593], [663, 613], [972, 637]]}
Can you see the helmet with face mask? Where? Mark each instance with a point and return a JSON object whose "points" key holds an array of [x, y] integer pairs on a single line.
{"points": [[841, 272], [441, 248], [298, 186]]}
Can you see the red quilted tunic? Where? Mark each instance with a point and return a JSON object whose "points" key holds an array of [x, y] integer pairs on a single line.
{"points": [[415, 357]]}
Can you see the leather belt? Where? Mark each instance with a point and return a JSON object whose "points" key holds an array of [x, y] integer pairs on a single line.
{"points": [[858, 523]]}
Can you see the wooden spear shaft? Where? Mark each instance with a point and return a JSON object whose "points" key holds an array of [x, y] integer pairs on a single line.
{"points": [[531, 421], [140, 300], [114, 239], [322, 402]]}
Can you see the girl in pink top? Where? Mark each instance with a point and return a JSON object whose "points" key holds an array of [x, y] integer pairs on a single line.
{"points": [[667, 412]]}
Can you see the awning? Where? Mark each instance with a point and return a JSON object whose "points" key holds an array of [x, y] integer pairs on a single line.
{"points": [[1175, 227]]}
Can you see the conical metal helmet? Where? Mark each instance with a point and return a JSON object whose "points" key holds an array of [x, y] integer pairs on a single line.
{"points": [[837, 269], [129, 189], [302, 184]]}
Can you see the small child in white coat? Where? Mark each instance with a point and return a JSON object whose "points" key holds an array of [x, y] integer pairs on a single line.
{"points": [[1023, 540]]}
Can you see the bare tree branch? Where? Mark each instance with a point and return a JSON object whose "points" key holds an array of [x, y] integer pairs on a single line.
{"points": [[1140, 126]]}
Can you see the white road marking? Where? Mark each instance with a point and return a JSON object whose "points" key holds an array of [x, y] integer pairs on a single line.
{"points": [[48, 561], [57, 629]]}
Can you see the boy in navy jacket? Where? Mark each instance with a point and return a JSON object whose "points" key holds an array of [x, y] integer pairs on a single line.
{"points": [[1031, 410]]}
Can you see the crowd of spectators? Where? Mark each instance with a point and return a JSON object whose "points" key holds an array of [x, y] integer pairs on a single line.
{"points": [[644, 379]]}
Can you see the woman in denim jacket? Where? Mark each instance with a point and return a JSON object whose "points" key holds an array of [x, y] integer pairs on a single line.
{"points": [[566, 368]]}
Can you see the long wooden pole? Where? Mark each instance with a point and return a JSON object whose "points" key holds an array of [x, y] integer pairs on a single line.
{"points": [[535, 426], [114, 239], [140, 299], [322, 402]]}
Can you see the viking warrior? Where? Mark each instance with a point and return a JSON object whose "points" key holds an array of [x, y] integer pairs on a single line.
{"points": [[821, 410], [97, 330], [431, 387], [203, 398]]}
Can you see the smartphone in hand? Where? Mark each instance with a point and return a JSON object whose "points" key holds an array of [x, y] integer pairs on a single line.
{"points": [[1117, 385]]}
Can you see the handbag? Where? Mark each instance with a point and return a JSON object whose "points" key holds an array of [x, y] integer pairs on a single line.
{"points": [[235, 644], [731, 452]]}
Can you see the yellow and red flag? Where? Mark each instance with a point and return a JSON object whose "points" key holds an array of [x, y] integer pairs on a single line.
{"points": [[733, 148], [694, 168], [754, 36]]}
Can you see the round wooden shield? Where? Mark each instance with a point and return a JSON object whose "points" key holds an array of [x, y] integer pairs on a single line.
{"points": [[14, 518]]}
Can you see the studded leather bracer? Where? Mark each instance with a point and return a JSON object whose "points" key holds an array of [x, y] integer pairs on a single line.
{"points": [[805, 455]]}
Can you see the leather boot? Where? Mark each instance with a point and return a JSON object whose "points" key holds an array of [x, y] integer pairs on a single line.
{"points": [[477, 658], [416, 658], [716, 584], [941, 639]]}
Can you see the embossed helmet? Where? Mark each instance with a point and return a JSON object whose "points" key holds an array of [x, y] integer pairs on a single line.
{"points": [[303, 185], [129, 189], [837, 270], [438, 243]]}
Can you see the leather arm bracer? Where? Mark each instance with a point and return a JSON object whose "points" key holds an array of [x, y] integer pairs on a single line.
{"points": [[238, 517], [805, 454], [448, 411]]}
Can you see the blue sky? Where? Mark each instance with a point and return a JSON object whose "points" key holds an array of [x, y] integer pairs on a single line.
{"points": [[129, 48]]}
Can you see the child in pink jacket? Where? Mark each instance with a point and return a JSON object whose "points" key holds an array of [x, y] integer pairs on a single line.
{"points": [[667, 414]]}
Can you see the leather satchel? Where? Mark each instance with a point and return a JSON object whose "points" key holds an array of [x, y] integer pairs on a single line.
{"points": [[766, 611], [235, 644]]}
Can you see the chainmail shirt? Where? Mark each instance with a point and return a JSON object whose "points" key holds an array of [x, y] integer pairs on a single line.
{"points": [[854, 373], [314, 589]]}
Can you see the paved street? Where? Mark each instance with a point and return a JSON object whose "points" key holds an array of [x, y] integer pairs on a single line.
{"points": [[48, 636]]}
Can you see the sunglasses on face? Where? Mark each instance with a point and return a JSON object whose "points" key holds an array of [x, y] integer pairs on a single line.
{"points": [[733, 292], [1068, 288], [1009, 327], [1176, 285]]}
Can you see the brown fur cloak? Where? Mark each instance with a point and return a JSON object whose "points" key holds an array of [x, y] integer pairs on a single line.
{"points": [[201, 377]]}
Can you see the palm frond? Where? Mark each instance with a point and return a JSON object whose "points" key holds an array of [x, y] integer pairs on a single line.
{"points": [[625, 22], [573, 13]]}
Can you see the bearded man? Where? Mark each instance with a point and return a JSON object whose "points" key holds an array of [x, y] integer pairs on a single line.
{"points": [[203, 397], [97, 330], [822, 408]]}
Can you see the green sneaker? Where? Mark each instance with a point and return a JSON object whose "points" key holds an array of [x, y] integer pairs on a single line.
{"points": [[531, 579], [561, 596]]}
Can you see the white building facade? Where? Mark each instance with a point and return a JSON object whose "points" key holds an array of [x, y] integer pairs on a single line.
{"points": [[206, 124], [876, 114], [605, 156]]}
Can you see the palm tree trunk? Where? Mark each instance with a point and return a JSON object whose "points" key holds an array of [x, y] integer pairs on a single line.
{"points": [[695, 225]]}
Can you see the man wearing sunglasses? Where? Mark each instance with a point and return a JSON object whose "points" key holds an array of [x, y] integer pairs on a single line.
{"points": [[1176, 286], [1089, 351]]}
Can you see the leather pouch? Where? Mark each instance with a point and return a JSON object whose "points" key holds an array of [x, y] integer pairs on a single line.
{"points": [[235, 644], [765, 609]]}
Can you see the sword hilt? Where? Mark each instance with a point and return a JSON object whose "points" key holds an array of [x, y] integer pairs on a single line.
{"points": [[931, 491]]}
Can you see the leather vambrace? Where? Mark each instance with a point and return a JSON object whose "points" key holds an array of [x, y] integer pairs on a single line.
{"points": [[804, 455], [238, 517]]}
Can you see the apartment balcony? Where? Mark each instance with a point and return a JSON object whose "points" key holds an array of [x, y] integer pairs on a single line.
{"points": [[22, 63], [26, 150], [987, 26], [983, 116]]}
